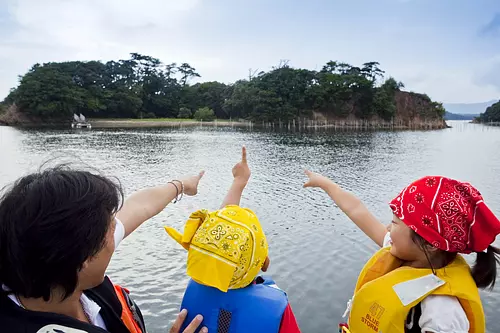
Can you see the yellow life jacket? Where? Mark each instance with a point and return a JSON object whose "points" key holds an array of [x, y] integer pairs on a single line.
{"points": [[386, 292]]}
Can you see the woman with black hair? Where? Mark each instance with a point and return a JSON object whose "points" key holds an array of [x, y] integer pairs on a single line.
{"points": [[58, 230]]}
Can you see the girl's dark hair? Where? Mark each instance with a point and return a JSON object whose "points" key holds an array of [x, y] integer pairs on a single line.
{"points": [[484, 271], [51, 222]]}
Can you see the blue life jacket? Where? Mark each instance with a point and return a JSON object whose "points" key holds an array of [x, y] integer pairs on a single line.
{"points": [[256, 308]]}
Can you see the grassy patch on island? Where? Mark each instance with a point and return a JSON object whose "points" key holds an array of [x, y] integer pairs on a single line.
{"points": [[173, 120]]}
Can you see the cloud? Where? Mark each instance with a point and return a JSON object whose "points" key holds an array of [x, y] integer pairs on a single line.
{"points": [[487, 74], [492, 28], [450, 85], [81, 25], [62, 30], [222, 39]]}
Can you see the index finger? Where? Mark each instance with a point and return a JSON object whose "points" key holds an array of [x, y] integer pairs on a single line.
{"points": [[244, 154]]}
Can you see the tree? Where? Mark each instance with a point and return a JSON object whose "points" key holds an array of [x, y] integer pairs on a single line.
{"points": [[439, 108], [184, 113], [187, 72], [392, 85], [492, 114], [142, 86], [384, 105], [50, 92], [211, 94], [242, 101], [11, 97], [371, 71], [123, 104], [205, 114]]}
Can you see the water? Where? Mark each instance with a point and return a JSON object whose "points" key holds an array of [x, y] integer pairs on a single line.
{"points": [[316, 253]]}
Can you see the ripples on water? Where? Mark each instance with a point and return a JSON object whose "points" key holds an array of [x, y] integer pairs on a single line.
{"points": [[316, 252]]}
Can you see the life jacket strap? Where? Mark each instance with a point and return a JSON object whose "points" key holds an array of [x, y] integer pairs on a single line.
{"points": [[344, 328], [129, 316]]}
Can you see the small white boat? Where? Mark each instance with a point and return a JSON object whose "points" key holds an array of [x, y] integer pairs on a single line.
{"points": [[80, 122]]}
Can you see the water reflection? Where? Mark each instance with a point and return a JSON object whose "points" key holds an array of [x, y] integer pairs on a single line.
{"points": [[316, 252]]}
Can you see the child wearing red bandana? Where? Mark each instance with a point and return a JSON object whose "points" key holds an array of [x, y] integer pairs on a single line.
{"points": [[427, 282]]}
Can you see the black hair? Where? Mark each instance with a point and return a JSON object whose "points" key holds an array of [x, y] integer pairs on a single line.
{"points": [[51, 222], [484, 271]]}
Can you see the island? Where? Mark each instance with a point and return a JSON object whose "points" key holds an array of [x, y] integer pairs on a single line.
{"points": [[143, 89], [491, 116]]}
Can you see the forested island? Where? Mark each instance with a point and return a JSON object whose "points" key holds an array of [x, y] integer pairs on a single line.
{"points": [[144, 87], [491, 115]]}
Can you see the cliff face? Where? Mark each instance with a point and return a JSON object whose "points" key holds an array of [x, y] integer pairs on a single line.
{"points": [[412, 108], [11, 116], [413, 111], [417, 111], [14, 117]]}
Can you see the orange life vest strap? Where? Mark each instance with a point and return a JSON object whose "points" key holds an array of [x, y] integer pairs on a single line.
{"points": [[127, 316]]}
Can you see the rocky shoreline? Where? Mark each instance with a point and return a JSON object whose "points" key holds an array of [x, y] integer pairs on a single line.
{"points": [[308, 124], [409, 122]]}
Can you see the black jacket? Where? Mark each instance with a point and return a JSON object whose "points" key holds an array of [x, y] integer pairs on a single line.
{"points": [[14, 319]]}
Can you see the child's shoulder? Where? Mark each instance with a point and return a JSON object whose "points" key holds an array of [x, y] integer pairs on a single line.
{"points": [[442, 313]]}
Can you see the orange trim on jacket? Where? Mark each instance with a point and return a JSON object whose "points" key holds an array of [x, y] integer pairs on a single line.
{"points": [[127, 315]]}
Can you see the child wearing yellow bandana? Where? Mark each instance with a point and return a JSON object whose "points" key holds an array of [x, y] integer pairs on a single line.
{"points": [[226, 251], [226, 248]]}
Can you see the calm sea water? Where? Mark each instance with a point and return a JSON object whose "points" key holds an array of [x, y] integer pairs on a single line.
{"points": [[316, 252]]}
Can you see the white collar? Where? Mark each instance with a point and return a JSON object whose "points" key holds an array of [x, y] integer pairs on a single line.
{"points": [[90, 307]]}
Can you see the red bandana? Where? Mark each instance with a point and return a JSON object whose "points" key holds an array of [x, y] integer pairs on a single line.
{"points": [[449, 214]]}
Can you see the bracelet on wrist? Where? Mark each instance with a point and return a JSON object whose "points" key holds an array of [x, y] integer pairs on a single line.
{"points": [[180, 192]]}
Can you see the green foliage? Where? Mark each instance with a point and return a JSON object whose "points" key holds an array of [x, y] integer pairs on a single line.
{"points": [[384, 105], [384, 102], [184, 113], [210, 94], [392, 84], [492, 114], [143, 87], [205, 114], [138, 87], [440, 110]]}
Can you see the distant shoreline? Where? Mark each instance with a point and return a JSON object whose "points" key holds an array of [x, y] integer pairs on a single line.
{"points": [[340, 124]]}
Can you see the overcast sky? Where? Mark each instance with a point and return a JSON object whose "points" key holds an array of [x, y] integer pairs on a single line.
{"points": [[449, 49]]}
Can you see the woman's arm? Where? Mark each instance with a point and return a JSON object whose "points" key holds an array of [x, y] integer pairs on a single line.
{"points": [[144, 204], [351, 206], [241, 174]]}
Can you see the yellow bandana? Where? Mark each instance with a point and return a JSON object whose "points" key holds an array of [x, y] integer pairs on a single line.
{"points": [[226, 248]]}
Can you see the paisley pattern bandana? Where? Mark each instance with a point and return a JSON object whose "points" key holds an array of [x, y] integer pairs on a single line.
{"points": [[449, 214], [226, 248]]}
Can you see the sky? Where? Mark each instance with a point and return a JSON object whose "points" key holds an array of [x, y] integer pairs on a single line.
{"points": [[449, 49]]}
